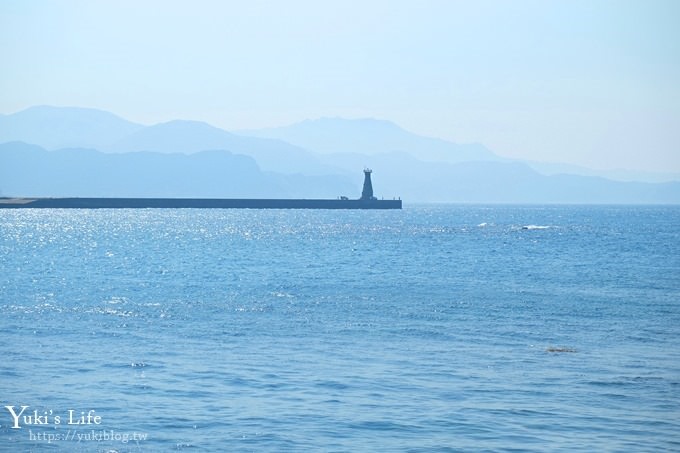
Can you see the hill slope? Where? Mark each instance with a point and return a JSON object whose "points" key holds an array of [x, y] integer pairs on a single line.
{"points": [[371, 136], [194, 136], [60, 127]]}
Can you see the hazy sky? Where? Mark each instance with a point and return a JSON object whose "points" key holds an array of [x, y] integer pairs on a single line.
{"points": [[590, 82]]}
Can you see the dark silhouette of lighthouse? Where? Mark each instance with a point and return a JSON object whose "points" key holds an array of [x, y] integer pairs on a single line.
{"points": [[367, 192]]}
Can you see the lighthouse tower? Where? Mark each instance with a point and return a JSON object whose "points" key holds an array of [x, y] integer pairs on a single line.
{"points": [[367, 192]]}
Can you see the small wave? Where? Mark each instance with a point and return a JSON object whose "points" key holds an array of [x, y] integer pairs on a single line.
{"points": [[111, 311], [117, 300], [560, 349], [332, 385], [536, 227]]}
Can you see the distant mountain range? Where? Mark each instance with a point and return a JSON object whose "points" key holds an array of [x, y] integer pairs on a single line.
{"points": [[29, 170], [65, 127], [63, 151], [370, 136]]}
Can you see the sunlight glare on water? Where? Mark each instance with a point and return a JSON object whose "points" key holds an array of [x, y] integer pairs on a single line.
{"points": [[463, 327]]}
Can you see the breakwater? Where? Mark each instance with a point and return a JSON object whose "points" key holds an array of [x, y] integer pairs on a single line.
{"points": [[202, 203]]}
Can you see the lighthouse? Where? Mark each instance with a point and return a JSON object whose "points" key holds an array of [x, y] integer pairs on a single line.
{"points": [[367, 192]]}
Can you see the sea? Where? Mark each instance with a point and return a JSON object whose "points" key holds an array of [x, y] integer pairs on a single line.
{"points": [[436, 328]]}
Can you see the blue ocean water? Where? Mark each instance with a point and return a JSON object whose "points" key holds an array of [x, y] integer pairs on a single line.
{"points": [[434, 328]]}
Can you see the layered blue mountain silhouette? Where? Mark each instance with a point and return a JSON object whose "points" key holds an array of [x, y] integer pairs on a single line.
{"points": [[370, 136], [63, 127], [29, 170], [63, 151]]}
